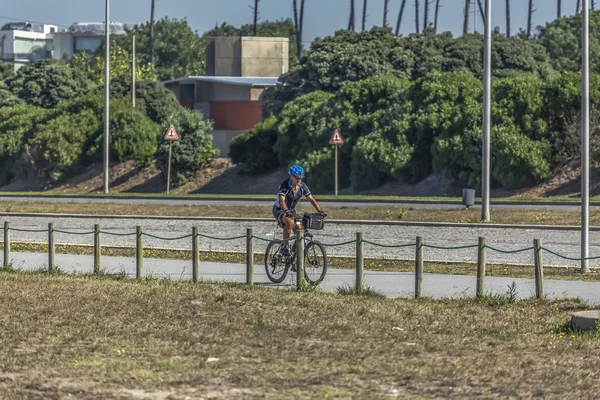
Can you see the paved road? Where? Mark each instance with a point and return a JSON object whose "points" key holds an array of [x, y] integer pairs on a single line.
{"points": [[391, 284], [562, 241], [269, 202]]}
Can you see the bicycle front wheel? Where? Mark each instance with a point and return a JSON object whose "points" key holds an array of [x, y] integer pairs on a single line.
{"points": [[275, 263], [315, 263]]}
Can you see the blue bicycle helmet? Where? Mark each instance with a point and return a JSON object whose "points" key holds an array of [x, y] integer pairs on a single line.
{"points": [[297, 171]]}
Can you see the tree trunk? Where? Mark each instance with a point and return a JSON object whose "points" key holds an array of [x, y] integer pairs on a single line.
{"points": [[300, 28], [558, 8], [386, 8], [152, 4], [295, 7], [578, 7], [400, 17], [593, 5], [351, 20], [529, 15], [481, 12], [255, 10], [435, 19], [426, 16], [417, 14], [364, 16], [466, 22], [507, 18]]}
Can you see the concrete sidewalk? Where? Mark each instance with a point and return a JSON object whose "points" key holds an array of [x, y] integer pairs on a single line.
{"points": [[392, 284]]}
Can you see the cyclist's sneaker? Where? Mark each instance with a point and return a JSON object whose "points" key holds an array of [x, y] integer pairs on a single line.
{"points": [[285, 251]]}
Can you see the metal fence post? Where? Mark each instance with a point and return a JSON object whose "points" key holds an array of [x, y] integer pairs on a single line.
{"points": [[139, 253], [419, 268], [300, 260], [539, 268], [480, 267], [6, 244], [249, 257], [97, 249], [51, 265], [359, 262], [195, 255]]}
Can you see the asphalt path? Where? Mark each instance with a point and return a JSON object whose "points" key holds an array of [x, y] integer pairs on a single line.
{"points": [[565, 242], [391, 284], [268, 202]]}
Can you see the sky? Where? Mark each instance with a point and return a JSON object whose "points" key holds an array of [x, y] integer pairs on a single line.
{"points": [[322, 17]]}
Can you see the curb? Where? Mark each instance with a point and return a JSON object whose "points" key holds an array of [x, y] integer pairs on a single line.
{"points": [[334, 222], [249, 198]]}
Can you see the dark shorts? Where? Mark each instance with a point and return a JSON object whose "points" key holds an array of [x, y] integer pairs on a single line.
{"points": [[277, 213]]}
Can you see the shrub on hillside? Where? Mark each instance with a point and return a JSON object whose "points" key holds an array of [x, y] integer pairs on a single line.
{"points": [[192, 152], [518, 160], [253, 150], [48, 83]]}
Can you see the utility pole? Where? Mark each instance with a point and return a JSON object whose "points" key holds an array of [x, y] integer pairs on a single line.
{"points": [[133, 71], [107, 100], [487, 101], [152, 4], [585, 137]]}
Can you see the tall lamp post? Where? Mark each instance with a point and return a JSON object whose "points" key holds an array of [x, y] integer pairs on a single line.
{"points": [[487, 98], [585, 136], [107, 99]]}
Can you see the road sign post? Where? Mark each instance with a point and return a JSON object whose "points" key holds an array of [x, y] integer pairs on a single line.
{"points": [[171, 136], [336, 140]]}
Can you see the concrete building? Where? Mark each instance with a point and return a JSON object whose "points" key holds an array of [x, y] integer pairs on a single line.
{"points": [[247, 56], [25, 43], [82, 36], [231, 103], [238, 70], [22, 43]]}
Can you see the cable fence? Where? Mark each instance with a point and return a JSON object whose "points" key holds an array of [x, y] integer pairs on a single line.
{"points": [[194, 237]]}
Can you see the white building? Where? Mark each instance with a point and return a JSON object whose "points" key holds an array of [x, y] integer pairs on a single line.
{"points": [[23, 43], [83, 36]]}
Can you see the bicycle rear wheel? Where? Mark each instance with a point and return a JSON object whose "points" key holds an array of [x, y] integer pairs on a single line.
{"points": [[315, 263], [275, 263]]}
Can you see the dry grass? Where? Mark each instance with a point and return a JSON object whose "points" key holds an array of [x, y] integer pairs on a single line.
{"points": [[500, 216], [99, 338]]}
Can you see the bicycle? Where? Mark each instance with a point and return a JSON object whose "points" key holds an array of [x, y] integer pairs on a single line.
{"points": [[277, 265]]}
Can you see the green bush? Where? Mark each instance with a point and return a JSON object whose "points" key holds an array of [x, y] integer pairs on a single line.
{"points": [[254, 149], [17, 126], [152, 98], [518, 160], [48, 83], [192, 152], [319, 166], [57, 147], [133, 136], [374, 158]]}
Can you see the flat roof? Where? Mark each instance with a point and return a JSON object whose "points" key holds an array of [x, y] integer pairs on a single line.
{"points": [[250, 81]]}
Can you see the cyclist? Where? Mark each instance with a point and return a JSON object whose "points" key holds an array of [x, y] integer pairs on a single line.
{"points": [[289, 194]]}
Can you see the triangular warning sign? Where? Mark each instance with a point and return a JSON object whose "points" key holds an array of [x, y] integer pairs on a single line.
{"points": [[336, 138], [171, 134]]}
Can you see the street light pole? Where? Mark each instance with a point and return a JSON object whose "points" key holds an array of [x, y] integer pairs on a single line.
{"points": [[585, 136], [487, 99], [107, 99]]}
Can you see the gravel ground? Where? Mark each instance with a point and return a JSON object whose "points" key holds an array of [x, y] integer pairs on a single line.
{"points": [[564, 242]]}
